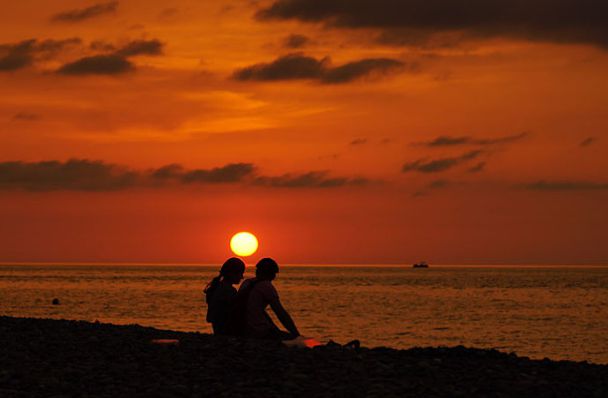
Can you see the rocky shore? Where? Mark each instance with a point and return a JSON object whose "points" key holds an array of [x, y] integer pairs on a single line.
{"points": [[57, 358]]}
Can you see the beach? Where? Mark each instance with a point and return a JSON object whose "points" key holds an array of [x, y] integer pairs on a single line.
{"points": [[61, 358]]}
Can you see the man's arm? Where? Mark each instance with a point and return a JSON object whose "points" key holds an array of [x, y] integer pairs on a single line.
{"points": [[284, 317]]}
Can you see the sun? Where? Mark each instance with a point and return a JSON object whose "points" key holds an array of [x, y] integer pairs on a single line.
{"points": [[244, 244]]}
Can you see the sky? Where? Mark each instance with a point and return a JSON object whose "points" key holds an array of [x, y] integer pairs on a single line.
{"points": [[337, 132]]}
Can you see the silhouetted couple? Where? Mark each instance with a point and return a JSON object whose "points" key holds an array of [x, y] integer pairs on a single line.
{"points": [[243, 313]]}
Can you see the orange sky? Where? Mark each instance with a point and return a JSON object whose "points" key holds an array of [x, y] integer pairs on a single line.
{"points": [[357, 134]]}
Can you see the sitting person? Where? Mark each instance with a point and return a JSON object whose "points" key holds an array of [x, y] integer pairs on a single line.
{"points": [[220, 294], [254, 296]]}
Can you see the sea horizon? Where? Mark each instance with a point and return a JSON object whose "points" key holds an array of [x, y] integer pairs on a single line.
{"points": [[250, 264]]}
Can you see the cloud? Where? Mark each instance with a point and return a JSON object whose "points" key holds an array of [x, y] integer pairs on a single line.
{"points": [[15, 56], [75, 174], [313, 179], [443, 141], [562, 21], [543, 185], [81, 14], [25, 117], [291, 66], [478, 168], [588, 141], [98, 65], [234, 172], [114, 63], [365, 67], [295, 41], [20, 55], [358, 141], [298, 66], [96, 175], [439, 165], [140, 47]]}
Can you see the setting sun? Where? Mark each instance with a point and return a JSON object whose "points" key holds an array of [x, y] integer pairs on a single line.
{"points": [[244, 244]]}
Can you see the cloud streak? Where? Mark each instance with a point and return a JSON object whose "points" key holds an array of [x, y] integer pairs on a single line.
{"points": [[450, 141], [98, 65], [96, 175], [81, 14], [297, 66], [313, 179], [75, 174], [562, 21], [439, 165], [15, 56], [114, 63]]}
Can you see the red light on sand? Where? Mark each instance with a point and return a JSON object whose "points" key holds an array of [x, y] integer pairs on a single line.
{"points": [[165, 341]]}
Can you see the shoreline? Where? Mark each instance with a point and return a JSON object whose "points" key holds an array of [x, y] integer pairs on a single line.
{"points": [[46, 357]]}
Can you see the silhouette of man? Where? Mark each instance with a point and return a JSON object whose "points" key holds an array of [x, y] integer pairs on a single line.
{"points": [[258, 293]]}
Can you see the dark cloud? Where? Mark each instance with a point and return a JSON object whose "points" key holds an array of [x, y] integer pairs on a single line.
{"points": [[466, 140], [299, 66], [439, 165], [81, 14], [75, 174], [234, 172], [103, 46], [230, 173], [365, 67], [140, 47], [169, 172], [98, 65], [25, 117], [588, 141], [15, 56], [358, 141], [295, 41], [478, 168], [313, 179], [95, 175], [288, 67], [560, 21], [565, 186]]}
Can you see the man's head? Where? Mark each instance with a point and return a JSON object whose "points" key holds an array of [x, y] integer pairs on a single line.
{"points": [[266, 269]]}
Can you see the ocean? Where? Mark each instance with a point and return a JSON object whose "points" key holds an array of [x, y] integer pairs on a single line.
{"points": [[557, 312]]}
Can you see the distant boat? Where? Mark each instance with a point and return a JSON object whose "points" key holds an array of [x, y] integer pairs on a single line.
{"points": [[422, 264]]}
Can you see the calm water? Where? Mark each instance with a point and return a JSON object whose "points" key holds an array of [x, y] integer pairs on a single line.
{"points": [[557, 312]]}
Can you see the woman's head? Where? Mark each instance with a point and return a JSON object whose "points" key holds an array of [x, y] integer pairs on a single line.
{"points": [[267, 269], [232, 270]]}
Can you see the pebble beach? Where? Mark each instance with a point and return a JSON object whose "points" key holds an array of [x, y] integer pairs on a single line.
{"points": [[61, 358]]}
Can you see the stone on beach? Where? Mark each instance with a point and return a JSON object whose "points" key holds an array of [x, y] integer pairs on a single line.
{"points": [[42, 357]]}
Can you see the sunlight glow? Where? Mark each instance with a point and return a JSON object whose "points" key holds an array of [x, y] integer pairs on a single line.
{"points": [[244, 244]]}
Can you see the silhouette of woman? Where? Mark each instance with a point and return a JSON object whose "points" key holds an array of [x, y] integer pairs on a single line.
{"points": [[220, 294]]}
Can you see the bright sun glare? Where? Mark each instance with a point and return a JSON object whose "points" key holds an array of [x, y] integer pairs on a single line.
{"points": [[244, 244]]}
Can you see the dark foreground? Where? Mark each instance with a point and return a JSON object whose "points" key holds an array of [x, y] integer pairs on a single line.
{"points": [[53, 358]]}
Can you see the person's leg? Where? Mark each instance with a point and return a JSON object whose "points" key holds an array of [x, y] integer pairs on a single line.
{"points": [[278, 334]]}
